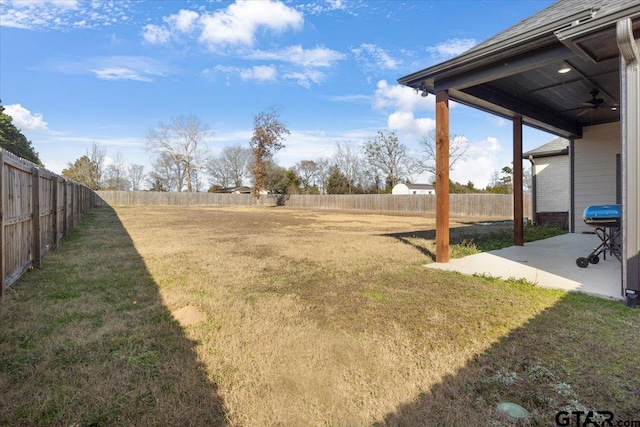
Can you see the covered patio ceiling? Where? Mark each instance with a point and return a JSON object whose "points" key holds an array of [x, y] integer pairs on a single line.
{"points": [[518, 74]]}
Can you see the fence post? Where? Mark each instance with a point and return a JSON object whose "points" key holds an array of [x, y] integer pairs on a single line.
{"points": [[72, 212], [3, 246], [35, 207], [54, 204], [64, 208]]}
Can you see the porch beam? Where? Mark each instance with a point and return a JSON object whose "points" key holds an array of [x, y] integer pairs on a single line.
{"points": [[518, 222], [442, 176], [495, 71]]}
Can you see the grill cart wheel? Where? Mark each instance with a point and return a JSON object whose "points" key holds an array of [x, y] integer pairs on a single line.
{"points": [[582, 262], [594, 259]]}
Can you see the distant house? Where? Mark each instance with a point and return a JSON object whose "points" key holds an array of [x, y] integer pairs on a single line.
{"points": [[235, 190], [551, 179], [413, 189]]}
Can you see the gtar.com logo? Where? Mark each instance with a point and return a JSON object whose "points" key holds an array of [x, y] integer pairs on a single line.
{"points": [[591, 418]]}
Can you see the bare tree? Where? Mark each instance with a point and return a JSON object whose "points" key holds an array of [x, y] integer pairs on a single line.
{"points": [[136, 176], [167, 173], [230, 167], [88, 169], [348, 162], [115, 176], [268, 134], [307, 171], [324, 166], [387, 158], [183, 142], [458, 147]]}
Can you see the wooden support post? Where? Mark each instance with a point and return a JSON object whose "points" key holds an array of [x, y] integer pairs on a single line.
{"points": [[442, 176], [3, 245], [36, 250], [518, 222]]}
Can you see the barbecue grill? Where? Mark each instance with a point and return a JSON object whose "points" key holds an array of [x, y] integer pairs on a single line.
{"points": [[606, 221]]}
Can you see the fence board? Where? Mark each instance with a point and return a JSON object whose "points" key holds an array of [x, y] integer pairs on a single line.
{"points": [[37, 208]]}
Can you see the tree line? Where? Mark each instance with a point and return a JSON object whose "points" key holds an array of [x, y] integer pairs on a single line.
{"points": [[181, 161]]}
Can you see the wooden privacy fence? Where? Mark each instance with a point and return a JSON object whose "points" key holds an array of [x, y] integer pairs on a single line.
{"points": [[37, 209], [473, 205]]}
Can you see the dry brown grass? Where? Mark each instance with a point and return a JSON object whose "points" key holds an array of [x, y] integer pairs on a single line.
{"points": [[307, 318]]}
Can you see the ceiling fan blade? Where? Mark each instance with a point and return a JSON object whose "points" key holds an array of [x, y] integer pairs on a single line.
{"points": [[583, 112]]}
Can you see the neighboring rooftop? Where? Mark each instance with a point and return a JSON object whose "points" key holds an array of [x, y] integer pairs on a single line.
{"points": [[420, 186], [555, 147]]}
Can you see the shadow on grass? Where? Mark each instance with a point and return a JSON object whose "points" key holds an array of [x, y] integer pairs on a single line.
{"points": [[424, 240], [580, 354], [87, 340]]}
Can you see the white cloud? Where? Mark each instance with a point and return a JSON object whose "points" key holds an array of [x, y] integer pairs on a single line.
{"points": [[137, 68], [498, 121], [119, 73], [400, 98], [237, 24], [64, 4], [318, 57], [23, 119], [483, 158], [155, 35], [375, 58], [355, 98], [183, 21], [260, 72], [451, 47], [61, 14], [405, 122], [306, 77]]}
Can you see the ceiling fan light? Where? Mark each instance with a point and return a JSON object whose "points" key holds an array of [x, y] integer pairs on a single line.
{"points": [[564, 70]]}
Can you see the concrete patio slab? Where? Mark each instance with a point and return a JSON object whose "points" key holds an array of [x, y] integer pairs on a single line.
{"points": [[549, 263]]}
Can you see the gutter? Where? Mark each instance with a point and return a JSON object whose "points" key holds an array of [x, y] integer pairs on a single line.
{"points": [[530, 155]]}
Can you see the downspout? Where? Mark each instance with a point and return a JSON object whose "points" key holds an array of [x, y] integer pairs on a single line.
{"points": [[630, 110], [534, 192]]}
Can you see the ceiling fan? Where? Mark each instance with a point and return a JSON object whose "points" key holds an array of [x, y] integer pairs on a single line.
{"points": [[594, 103]]}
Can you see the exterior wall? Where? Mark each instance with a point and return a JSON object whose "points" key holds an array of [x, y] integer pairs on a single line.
{"points": [[553, 184], [595, 169], [404, 189], [400, 189]]}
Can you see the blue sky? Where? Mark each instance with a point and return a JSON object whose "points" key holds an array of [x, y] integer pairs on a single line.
{"points": [[74, 72]]}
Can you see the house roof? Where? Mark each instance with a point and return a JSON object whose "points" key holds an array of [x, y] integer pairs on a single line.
{"points": [[556, 147], [241, 189], [514, 73], [420, 186]]}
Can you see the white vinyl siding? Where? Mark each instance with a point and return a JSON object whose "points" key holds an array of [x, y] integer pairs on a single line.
{"points": [[595, 169]]}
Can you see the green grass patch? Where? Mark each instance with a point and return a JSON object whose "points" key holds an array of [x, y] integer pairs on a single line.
{"points": [[465, 244]]}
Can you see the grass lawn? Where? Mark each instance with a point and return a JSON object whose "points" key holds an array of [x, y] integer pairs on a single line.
{"points": [[276, 316]]}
